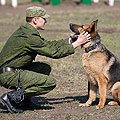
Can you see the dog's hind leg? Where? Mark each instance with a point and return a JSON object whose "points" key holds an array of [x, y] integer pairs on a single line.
{"points": [[116, 94]]}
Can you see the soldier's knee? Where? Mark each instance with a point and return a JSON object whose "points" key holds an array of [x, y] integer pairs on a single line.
{"points": [[52, 83]]}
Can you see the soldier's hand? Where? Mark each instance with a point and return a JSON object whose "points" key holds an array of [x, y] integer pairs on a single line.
{"points": [[83, 38]]}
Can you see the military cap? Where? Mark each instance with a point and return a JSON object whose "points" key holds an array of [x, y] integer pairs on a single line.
{"points": [[36, 11]]}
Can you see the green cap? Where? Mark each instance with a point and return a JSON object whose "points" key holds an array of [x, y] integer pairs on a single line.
{"points": [[36, 11]]}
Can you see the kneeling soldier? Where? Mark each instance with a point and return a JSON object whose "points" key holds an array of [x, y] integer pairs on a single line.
{"points": [[19, 53]]}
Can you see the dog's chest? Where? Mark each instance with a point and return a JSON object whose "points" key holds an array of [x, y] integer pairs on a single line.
{"points": [[94, 62]]}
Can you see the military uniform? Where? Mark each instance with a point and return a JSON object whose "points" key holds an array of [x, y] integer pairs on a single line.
{"points": [[20, 51], [17, 66]]}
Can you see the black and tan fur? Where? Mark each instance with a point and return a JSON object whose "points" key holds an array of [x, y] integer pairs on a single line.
{"points": [[102, 67]]}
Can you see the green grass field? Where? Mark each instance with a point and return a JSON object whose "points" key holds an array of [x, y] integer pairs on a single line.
{"points": [[68, 71]]}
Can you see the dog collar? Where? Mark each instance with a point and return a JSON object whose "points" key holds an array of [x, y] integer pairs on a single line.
{"points": [[90, 48]]}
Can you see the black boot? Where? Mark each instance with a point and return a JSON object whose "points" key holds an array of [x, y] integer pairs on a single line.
{"points": [[9, 103], [34, 103]]}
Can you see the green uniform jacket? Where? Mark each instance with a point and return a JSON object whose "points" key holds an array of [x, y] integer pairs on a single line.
{"points": [[26, 42]]}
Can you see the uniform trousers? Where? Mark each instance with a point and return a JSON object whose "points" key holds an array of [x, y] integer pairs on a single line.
{"points": [[35, 79]]}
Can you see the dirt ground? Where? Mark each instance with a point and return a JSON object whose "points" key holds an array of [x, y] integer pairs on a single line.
{"points": [[63, 101]]}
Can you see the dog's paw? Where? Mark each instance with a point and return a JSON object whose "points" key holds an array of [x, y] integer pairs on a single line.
{"points": [[84, 105], [99, 107], [113, 103]]}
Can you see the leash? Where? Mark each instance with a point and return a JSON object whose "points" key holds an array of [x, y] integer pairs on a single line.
{"points": [[18, 93], [18, 78]]}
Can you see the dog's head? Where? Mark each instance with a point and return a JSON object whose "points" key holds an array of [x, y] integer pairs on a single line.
{"points": [[90, 28]]}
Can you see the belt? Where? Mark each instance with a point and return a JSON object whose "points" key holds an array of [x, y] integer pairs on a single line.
{"points": [[7, 69]]}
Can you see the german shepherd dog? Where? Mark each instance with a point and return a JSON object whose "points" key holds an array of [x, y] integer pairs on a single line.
{"points": [[102, 67]]}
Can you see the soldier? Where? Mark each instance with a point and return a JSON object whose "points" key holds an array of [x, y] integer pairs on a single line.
{"points": [[18, 55]]}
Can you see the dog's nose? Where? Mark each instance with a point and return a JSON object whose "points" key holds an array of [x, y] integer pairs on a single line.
{"points": [[71, 26]]}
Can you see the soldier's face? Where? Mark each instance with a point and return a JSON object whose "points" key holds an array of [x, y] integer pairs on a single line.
{"points": [[40, 23]]}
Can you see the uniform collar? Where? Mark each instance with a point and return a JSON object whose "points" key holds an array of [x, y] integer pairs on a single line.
{"points": [[31, 28]]}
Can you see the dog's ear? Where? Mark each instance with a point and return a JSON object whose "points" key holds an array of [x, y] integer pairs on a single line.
{"points": [[93, 28]]}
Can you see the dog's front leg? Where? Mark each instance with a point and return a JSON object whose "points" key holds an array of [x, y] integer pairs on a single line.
{"points": [[92, 95], [102, 83]]}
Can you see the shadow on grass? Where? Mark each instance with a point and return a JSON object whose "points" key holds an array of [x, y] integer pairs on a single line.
{"points": [[45, 102], [37, 103], [68, 99], [42, 103]]}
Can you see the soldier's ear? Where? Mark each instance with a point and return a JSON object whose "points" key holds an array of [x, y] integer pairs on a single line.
{"points": [[34, 20]]}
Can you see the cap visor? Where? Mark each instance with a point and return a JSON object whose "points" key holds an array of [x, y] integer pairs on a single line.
{"points": [[46, 16]]}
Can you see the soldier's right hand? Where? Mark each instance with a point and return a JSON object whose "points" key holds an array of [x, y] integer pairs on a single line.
{"points": [[83, 38]]}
